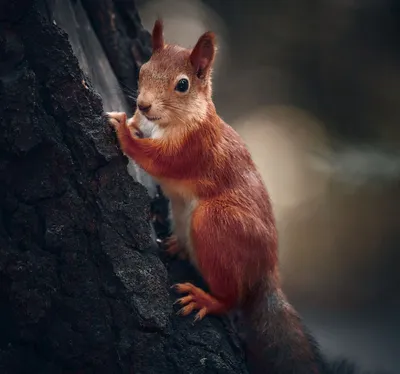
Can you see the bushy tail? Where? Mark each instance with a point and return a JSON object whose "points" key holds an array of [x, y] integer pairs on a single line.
{"points": [[277, 342], [346, 367]]}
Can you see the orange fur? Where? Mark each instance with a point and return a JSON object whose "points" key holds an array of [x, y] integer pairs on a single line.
{"points": [[221, 209]]}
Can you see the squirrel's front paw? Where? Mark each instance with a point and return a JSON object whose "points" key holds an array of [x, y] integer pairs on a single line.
{"points": [[116, 119], [134, 127], [174, 248]]}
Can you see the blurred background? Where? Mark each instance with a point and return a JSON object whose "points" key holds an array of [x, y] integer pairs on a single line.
{"points": [[314, 89]]}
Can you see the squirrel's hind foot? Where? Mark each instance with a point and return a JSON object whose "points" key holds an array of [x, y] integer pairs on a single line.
{"points": [[199, 300]]}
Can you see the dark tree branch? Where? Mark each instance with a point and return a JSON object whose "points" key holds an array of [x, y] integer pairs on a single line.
{"points": [[125, 42]]}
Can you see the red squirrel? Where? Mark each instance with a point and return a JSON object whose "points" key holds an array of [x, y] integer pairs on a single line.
{"points": [[222, 214]]}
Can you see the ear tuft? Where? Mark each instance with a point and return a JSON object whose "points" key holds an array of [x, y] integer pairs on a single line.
{"points": [[202, 56], [157, 35]]}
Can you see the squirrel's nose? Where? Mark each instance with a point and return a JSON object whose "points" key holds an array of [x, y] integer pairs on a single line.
{"points": [[144, 107]]}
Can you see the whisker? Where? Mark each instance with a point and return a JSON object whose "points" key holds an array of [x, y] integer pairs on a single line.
{"points": [[131, 94], [176, 108], [118, 91], [131, 98], [127, 89]]}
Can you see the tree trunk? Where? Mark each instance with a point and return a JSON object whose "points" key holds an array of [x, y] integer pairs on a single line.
{"points": [[82, 287]]}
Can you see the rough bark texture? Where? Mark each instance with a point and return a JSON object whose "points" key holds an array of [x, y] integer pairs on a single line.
{"points": [[82, 287], [125, 42]]}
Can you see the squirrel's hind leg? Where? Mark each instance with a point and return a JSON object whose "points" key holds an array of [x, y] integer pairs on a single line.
{"points": [[217, 252]]}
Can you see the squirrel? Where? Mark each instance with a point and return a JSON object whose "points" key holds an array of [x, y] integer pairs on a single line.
{"points": [[223, 219]]}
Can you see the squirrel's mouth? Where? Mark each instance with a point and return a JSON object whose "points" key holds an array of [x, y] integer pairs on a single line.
{"points": [[153, 118]]}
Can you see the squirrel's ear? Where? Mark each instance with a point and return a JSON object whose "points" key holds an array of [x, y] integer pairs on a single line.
{"points": [[202, 56], [157, 36]]}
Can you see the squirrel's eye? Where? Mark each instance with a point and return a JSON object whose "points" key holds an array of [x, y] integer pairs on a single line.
{"points": [[182, 85]]}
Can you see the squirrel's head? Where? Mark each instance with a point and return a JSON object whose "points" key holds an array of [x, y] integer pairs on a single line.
{"points": [[175, 84]]}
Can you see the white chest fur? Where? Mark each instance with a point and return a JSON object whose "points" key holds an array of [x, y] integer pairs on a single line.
{"points": [[182, 207], [150, 129], [181, 214]]}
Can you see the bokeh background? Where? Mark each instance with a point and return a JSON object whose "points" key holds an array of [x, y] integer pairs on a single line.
{"points": [[314, 89], [313, 86]]}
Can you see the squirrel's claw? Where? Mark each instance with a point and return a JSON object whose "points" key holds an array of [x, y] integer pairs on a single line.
{"points": [[186, 310], [201, 314], [184, 300], [190, 307], [197, 299], [183, 287]]}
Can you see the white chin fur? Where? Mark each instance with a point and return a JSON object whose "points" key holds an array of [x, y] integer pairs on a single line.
{"points": [[150, 129]]}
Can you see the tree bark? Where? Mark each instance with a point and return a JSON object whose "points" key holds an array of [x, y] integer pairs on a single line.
{"points": [[82, 286]]}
